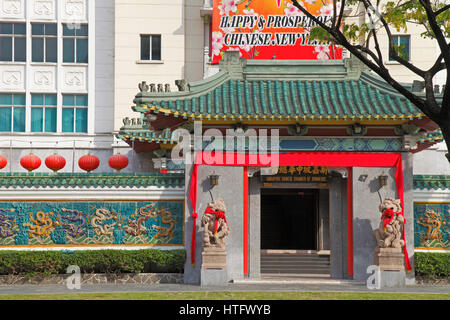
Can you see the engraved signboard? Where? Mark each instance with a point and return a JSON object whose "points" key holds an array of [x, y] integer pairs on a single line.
{"points": [[296, 174]]}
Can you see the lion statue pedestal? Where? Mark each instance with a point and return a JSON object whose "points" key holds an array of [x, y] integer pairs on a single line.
{"points": [[214, 255], [389, 259], [389, 255]]}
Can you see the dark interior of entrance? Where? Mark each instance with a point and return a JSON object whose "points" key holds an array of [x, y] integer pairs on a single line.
{"points": [[289, 219]]}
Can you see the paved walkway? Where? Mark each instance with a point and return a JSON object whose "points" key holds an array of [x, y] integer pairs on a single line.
{"points": [[241, 286]]}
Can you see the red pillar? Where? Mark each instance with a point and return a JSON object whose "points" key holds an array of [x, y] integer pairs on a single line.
{"points": [[245, 226], [350, 220]]}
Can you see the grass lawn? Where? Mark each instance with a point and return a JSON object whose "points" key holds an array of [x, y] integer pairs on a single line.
{"points": [[230, 295]]}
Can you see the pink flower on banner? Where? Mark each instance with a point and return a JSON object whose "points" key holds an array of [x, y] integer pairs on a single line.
{"points": [[328, 9], [246, 47], [250, 12], [228, 30], [291, 10], [236, 49], [228, 6], [323, 52], [217, 43]]}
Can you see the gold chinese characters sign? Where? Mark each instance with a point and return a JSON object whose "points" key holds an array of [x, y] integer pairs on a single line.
{"points": [[293, 174]]}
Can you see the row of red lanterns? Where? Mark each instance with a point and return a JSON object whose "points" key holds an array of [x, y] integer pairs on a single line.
{"points": [[56, 162]]}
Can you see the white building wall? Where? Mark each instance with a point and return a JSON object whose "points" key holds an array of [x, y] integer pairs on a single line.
{"points": [[64, 78], [195, 40], [181, 27], [154, 17], [432, 161], [96, 79], [104, 66], [422, 53]]}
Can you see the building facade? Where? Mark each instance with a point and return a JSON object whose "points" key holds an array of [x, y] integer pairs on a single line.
{"points": [[55, 90]]}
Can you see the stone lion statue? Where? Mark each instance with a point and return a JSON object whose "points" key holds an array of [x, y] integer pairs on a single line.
{"points": [[214, 223], [389, 233]]}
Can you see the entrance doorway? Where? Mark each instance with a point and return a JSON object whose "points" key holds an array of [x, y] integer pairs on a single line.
{"points": [[295, 231], [289, 219]]}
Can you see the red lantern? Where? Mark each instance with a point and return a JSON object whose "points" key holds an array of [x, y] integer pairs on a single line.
{"points": [[30, 162], [89, 163], [55, 162], [3, 162], [118, 162]]}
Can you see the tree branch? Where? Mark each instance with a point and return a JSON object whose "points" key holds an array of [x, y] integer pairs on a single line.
{"points": [[392, 52], [375, 39], [438, 66], [341, 14], [440, 38], [444, 47], [438, 12], [370, 53], [382, 72], [333, 21]]}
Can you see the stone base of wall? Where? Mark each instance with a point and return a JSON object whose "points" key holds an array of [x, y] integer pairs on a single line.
{"points": [[95, 279], [428, 281]]}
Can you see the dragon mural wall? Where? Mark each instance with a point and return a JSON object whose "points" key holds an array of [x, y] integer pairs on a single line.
{"points": [[431, 225], [91, 223]]}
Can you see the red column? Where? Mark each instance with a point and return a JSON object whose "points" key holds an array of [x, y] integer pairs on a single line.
{"points": [[350, 220], [245, 226]]}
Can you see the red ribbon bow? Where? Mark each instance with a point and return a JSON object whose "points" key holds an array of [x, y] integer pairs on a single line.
{"points": [[387, 216], [218, 215]]}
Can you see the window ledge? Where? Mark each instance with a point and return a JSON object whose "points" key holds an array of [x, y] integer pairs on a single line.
{"points": [[50, 64], [45, 134], [74, 64], [74, 134], [394, 63], [18, 63], [150, 62]]}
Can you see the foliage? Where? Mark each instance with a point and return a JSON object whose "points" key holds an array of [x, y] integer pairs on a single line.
{"points": [[360, 25], [33, 263], [398, 14], [432, 265]]}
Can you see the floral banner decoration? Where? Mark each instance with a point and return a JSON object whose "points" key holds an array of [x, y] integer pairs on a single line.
{"points": [[271, 29]]}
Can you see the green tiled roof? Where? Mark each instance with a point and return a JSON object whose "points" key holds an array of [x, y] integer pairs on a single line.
{"points": [[86, 180], [281, 100], [283, 90], [431, 182]]}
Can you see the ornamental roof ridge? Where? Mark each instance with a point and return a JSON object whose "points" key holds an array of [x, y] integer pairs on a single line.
{"points": [[186, 90], [432, 182], [234, 68], [88, 180], [432, 137]]}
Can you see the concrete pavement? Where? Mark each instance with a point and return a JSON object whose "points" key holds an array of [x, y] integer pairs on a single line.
{"points": [[241, 286]]}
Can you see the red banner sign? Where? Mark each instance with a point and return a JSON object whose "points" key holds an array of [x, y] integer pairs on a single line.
{"points": [[270, 29]]}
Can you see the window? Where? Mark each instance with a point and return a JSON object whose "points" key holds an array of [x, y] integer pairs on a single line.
{"points": [[75, 44], [12, 112], [43, 112], [13, 42], [75, 113], [150, 47], [402, 46], [44, 42]]}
